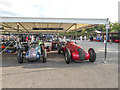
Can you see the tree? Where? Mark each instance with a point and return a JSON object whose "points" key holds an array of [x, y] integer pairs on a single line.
{"points": [[115, 27]]}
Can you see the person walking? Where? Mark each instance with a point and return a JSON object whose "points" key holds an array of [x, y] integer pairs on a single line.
{"points": [[104, 39], [80, 38], [27, 39], [110, 39], [85, 38], [101, 38], [32, 38]]}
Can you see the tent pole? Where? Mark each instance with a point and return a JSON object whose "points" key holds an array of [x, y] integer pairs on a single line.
{"points": [[65, 35], [18, 33], [9, 36], [75, 33]]}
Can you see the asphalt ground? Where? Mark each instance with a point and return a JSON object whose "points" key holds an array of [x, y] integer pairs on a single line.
{"points": [[55, 73]]}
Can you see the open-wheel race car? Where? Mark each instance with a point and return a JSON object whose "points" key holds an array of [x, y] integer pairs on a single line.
{"points": [[54, 45], [61, 47], [32, 52], [76, 53]]}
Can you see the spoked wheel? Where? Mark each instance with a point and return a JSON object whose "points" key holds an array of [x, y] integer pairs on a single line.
{"points": [[20, 56], [44, 55], [67, 56], [92, 53]]}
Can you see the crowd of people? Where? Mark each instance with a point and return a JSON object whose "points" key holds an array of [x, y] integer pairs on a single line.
{"points": [[38, 38]]}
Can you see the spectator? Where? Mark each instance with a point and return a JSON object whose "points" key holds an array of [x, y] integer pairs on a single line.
{"points": [[85, 38], [80, 38], [104, 38], [110, 39], [32, 38], [27, 39], [101, 38], [91, 38]]}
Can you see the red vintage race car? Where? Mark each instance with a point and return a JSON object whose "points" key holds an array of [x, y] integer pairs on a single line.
{"points": [[76, 53], [54, 45], [117, 41]]}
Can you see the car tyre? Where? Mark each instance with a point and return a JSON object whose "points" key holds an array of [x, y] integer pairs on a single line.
{"points": [[67, 56], [92, 53], [44, 55], [59, 49], [20, 56]]}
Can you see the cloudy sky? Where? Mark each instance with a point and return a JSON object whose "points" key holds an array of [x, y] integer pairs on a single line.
{"points": [[61, 8]]}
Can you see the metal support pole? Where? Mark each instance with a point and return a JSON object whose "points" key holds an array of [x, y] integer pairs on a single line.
{"points": [[75, 33], [9, 36], [18, 30], [18, 39], [106, 42], [65, 35]]}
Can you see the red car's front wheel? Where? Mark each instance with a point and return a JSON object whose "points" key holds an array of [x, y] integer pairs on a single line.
{"points": [[67, 56]]}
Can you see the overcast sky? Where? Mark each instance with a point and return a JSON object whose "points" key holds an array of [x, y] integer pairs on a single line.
{"points": [[61, 8]]}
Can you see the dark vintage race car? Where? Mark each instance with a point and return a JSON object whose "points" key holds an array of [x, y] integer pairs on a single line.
{"points": [[54, 45], [76, 53], [32, 52], [61, 47]]}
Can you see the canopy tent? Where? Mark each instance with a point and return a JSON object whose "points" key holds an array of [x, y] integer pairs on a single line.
{"points": [[38, 25], [46, 25]]}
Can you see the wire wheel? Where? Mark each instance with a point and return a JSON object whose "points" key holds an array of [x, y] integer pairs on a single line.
{"points": [[67, 56], [20, 56], [44, 55], [92, 53]]}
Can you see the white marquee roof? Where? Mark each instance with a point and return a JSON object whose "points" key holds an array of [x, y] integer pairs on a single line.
{"points": [[26, 24]]}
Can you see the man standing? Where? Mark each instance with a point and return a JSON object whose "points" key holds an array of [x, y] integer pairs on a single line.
{"points": [[85, 38], [110, 39], [104, 39], [80, 38]]}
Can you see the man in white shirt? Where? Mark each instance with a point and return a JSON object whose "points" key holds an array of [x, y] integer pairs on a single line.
{"points": [[84, 37], [80, 38]]}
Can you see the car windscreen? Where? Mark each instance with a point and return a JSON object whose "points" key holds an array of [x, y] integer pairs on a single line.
{"points": [[33, 45]]}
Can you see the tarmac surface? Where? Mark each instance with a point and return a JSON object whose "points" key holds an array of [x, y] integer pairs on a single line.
{"points": [[55, 73]]}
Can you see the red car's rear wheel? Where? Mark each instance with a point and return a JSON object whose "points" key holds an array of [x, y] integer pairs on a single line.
{"points": [[92, 53]]}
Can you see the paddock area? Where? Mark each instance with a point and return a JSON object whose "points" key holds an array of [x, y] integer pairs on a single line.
{"points": [[55, 73]]}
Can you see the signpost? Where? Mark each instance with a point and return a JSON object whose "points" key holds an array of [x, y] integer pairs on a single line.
{"points": [[107, 27]]}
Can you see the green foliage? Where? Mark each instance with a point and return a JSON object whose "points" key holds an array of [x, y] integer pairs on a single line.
{"points": [[114, 27], [83, 31]]}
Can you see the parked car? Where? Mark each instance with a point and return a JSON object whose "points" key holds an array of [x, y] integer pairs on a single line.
{"points": [[32, 52], [76, 53]]}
